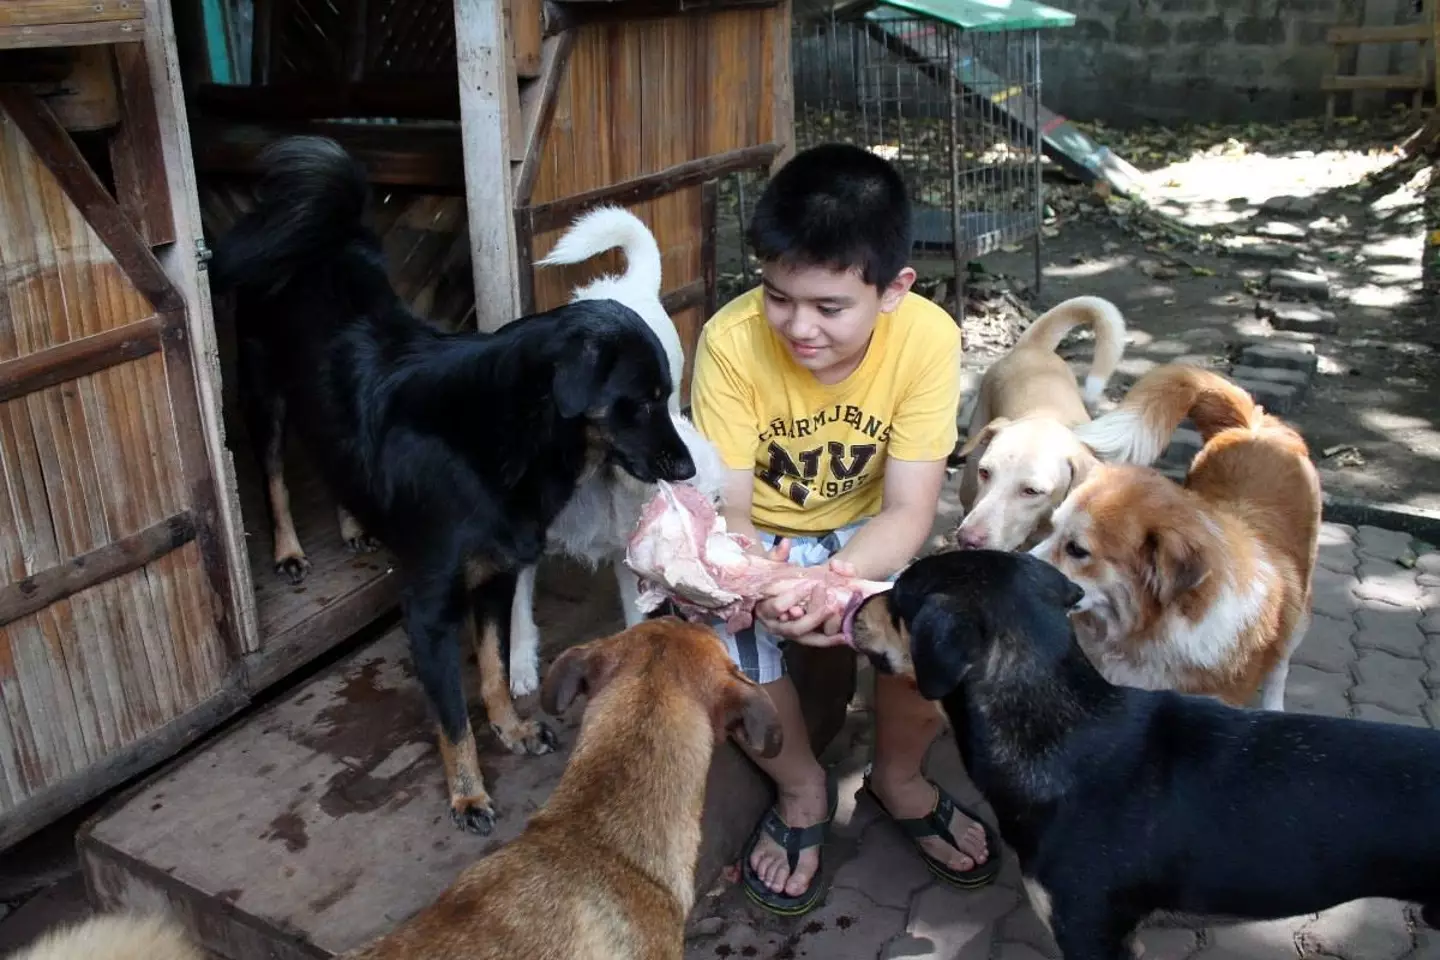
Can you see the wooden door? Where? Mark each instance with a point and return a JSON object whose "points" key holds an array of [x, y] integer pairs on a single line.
{"points": [[120, 635]]}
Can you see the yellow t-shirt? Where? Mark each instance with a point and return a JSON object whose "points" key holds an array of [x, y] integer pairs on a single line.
{"points": [[819, 450]]}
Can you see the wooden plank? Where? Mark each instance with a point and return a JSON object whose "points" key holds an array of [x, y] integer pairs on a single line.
{"points": [[41, 809], [1387, 82], [69, 34], [135, 154], [526, 24], [483, 67], [181, 263], [63, 159], [570, 15], [420, 98], [88, 99], [76, 358], [550, 216], [691, 295], [709, 245], [783, 89], [130, 553], [22, 13], [537, 110], [1396, 33]]}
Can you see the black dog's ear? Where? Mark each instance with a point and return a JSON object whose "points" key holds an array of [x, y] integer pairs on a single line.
{"points": [[1059, 589], [942, 641], [581, 377]]}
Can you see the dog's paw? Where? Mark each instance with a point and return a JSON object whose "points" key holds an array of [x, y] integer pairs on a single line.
{"points": [[293, 568], [528, 736], [362, 543], [524, 677], [473, 814]]}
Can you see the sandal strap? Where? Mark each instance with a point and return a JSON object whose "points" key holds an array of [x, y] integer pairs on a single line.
{"points": [[936, 823], [796, 840]]}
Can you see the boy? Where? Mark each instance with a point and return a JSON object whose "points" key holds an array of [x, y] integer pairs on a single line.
{"points": [[831, 392]]}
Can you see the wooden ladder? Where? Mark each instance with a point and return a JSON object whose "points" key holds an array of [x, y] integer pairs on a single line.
{"points": [[1423, 32]]}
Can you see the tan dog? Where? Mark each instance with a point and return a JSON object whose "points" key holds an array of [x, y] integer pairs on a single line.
{"points": [[606, 869], [1203, 588], [1022, 457]]}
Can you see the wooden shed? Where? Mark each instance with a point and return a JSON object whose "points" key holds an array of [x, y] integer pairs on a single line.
{"points": [[139, 608]]}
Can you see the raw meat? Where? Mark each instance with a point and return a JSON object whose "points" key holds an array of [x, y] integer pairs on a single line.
{"points": [[682, 552]]}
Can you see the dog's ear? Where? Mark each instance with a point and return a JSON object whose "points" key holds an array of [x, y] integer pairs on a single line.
{"points": [[582, 375], [986, 433], [942, 643], [581, 669], [1082, 460], [1059, 589], [750, 716], [1174, 564]]}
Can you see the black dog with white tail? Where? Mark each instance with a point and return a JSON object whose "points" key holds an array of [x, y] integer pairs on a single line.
{"points": [[1122, 804]]}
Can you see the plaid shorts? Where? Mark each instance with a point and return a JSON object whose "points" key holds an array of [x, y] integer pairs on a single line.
{"points": [[756, 651]]}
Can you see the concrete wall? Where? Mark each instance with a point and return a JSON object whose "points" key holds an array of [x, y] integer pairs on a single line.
{"points": [[1136, 61]]}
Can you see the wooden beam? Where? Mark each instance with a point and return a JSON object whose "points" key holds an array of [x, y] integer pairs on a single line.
{"points": [[70, 34], [34, 13], [678, 301], [1378, 82], [1398, 33], [64, 160], [483, 67], [77, 358], [709, 245], [128, 554], [783, 96], [135, 155], [558, 213], [537, 109], [561, 16]]}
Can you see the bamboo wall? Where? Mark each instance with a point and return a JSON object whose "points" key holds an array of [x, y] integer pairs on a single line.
{"points": [[83, 464]]}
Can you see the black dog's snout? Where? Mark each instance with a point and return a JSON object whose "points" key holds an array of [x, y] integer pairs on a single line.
{"points": [[675, 469]]}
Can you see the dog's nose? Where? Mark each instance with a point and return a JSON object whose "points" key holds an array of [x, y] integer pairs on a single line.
{"points": [[972, 539], [682, 468]]}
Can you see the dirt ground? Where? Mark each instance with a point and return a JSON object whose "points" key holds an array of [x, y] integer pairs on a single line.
{"points": [[1189, 266]]}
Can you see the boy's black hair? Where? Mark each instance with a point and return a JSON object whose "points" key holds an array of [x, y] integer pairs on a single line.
{"points": [[837, 206]]}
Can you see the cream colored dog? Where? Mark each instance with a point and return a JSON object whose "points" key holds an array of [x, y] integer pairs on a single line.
{"points": [[1022, 458]]}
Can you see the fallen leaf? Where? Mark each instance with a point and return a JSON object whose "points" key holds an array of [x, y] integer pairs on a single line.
{"points": [[1202, 271]]}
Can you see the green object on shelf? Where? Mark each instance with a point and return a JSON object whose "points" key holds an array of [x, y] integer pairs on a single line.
{"points": [[979, 15]]}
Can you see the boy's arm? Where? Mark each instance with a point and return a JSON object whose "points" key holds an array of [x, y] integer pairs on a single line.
{"points": [[890, 539]]}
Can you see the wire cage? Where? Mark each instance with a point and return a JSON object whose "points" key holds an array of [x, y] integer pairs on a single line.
{"points": [[955, 107]]}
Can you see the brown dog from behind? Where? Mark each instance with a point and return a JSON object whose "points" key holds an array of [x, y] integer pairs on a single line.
{"points": [[606, 869]]}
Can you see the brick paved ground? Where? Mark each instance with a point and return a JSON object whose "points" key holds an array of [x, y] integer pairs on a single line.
{"points": [[1373, 651]]}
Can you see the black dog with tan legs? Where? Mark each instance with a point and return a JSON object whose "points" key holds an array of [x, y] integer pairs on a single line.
{"points": [[1122, 804]]}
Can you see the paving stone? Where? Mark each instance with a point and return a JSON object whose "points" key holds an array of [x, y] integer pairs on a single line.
{"points": [[847, 924], [1300, 283], [1292, 356], [1298, 317], [1291, 206], [1308, 690], [1167, 943], [1369, 711], [1337, 548], [1260, 250], [1013, 951], [1432, 713], [1362, 930], [1264, 940], [735, 939], [1377, 542], [1334, 594], [1428, 563], [1427, 943], [1281, 230], [1388, 681], [885, 852], [1430, 622], [1394, 630], [1276, 398], [1184, 444], [1023, 926], [1387, 582], [1284, 376], [1327, 645], [956, 921]]}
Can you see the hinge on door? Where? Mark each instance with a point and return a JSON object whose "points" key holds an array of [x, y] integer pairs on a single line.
{"points": [[202, 252]]}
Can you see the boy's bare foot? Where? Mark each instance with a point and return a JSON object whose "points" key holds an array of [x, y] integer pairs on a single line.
{"points": [[802, 806], [915, 797]]}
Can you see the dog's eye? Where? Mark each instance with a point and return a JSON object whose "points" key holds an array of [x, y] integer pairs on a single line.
{"points": [[1031, 492], [983, 474], [1075, 550]]}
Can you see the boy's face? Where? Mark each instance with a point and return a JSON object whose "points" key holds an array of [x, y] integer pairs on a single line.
{"points": [[825, 317]]}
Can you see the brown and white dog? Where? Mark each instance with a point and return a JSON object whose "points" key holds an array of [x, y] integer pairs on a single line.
{"points": [[1022, 458], [1203, 588], [607, 867]]}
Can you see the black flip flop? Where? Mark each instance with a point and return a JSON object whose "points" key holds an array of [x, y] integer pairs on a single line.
{"points": [[793, 840], [936, 823]]}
